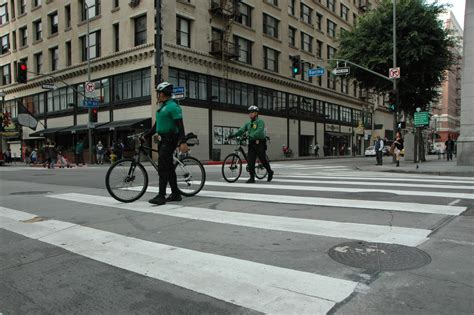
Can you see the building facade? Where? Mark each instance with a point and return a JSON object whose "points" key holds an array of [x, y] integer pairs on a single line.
{"points": [[227, 55]]}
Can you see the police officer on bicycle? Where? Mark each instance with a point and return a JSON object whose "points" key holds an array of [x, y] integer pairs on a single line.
{"points": [[257, 147], [170, 129]]}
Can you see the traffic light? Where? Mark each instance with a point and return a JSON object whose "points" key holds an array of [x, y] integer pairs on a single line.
{"points": [[21, 72], [295, 65], [393, 100], [93, 115]]}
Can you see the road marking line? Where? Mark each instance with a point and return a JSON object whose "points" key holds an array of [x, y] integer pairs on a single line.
{"points": [[256, 286], [357, 231], [329, 202], [340, 189], [452, 203]]}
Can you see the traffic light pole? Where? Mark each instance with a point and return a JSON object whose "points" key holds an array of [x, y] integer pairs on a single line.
{"points": [[395, 115], [89, 123]]}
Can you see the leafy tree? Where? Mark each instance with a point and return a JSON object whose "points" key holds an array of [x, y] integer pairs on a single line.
{"points": [[423, 50]]}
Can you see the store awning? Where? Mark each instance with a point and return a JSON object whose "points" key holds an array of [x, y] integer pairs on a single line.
{"points": [[142, 123], [78, 128], [45, 132]]}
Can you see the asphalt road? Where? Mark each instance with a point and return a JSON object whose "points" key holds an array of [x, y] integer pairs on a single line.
{"points": [[67, 247]]}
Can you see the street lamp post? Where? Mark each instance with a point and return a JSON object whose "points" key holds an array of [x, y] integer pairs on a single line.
{"points": [[395, 117], [89, 123]]}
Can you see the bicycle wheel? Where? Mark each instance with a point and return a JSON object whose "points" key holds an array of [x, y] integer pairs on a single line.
{"points": [[232, 168], [260, 170], [190, 175], [126, 180]]}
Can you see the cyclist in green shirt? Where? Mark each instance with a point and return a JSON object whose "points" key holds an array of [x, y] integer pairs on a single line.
{"points": [[257, 147], [170, 129]]}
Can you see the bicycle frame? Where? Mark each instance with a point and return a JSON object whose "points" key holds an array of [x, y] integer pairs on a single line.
{"points": [[147, 152]]}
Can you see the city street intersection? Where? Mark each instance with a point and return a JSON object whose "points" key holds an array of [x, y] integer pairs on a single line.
{"points": [[235, 248]]}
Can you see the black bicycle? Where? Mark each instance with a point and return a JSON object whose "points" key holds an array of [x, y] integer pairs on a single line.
{"points": [[232, 165], [127, 179]]}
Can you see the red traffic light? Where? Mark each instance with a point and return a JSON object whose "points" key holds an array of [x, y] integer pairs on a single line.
{"points": [[22, 76], [23, 67]]}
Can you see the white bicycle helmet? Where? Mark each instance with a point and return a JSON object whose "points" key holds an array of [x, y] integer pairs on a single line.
{"points": [[252, 109], [165, 87]]}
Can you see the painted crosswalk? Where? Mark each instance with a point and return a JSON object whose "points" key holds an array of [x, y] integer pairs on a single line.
{"points": [[263, 287]]}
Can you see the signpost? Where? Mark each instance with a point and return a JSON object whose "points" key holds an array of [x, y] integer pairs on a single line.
{"points": [[90, 89], [394, 73], [341, 71], [318, 72], [421, 119], [178, 93]]}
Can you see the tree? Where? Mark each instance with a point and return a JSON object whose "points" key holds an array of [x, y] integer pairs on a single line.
{"points": [[423, 51]]}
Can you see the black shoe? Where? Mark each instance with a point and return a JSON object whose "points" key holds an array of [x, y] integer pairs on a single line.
{"points": [[270, 176], [158, 200], [251, 180], [174, 197], [398, 163]]}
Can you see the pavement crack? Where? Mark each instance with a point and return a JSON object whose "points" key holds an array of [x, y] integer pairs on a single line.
{"points": [[443, 280], [304, 294], [32, 262]]}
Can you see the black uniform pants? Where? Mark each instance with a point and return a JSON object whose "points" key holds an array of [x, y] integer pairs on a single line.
{"points": [[379, 155], [257, 150], [166, 167]]}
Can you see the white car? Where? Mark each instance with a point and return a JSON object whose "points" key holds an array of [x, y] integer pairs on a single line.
{"points": [[370, 151]]}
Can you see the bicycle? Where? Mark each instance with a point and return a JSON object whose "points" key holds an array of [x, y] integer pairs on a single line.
{"points": [[127, 179], [232, 165]]}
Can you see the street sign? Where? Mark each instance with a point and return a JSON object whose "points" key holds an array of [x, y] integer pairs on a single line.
{"points": [[90, 89], [90, 103], [178, 92], [394, 73], [316, 72], [48, 86], [422, 119], [341, 71]]}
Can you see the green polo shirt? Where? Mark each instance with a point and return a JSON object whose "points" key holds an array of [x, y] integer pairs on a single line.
{"points": [[255, 129], [166, 115]]}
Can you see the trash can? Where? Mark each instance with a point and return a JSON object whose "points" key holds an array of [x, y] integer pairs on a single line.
{"points": [[216, 154]]}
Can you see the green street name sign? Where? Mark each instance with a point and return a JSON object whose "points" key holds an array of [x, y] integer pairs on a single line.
{"points": [[422, 119]]}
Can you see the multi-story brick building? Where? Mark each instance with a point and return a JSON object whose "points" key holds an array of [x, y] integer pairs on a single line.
{"points": [[227, 54]]}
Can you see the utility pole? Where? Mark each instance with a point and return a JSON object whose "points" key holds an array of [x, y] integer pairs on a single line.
{"points": [[89, 123], [395, 117], [158, 43]]}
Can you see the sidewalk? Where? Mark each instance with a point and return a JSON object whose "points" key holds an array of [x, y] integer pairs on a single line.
{"points": [[432, 166]]}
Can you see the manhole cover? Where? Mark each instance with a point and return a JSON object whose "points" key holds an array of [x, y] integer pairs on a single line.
{"points": [[29, 193], [379, 256]]}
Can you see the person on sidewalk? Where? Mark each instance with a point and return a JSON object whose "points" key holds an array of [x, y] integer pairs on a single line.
{"points": [[257, 147], [316, 149], [449, 144], [170, 129], [379, 145], [100, 150], [79, 152], [33, 156], [398, 147]]}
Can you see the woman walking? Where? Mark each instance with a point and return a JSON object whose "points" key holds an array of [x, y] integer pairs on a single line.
{"points": [[398, 147]]}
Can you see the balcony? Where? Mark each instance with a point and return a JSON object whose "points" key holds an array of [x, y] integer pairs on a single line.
{"points": [[223, 49], [225, 8]]}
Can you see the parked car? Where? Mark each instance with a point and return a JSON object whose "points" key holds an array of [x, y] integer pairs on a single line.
{"points": [[370, 151], [386, 150]]}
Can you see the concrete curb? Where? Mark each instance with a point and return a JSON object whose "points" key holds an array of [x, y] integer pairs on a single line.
{"points": [[437, 173]]}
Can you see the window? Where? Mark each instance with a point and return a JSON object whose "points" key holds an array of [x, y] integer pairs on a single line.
{"points": [[356, 116], [331, 82], [245, 17], [3, 14], [270, 26], [116, 3], [90, 9], [38, 29], [291, 7], [68, 54], [304, 72], [22, 6], [331, 52], [344, 86], [39, 63], [354, 88], [331, 28], [344, 12], [306, 13], [6, 76], [319, 49], [53, 23], [183, 32], [116, 38], [5, 44], [195, 84], [346, 114], [14, 40], [132, 85], [54, 53], [354, 19], [273, 2], [332, 111], [245, 49], [67, 16], [36, 3], [23, 36], [319, 22], [270, 59], [140, 30], [331, 4], [94, 46], [292, 36], [306, 42]]}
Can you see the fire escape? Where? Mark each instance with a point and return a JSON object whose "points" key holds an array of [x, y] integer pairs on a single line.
{"points": [[227, 11]]}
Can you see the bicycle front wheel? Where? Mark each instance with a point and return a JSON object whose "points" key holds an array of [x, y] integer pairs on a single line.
{"points": [[232, 168], [190, 175], [260, 170], [126, 180]]}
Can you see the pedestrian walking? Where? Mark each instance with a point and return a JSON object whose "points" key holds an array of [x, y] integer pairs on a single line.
{"points": [[79, 152], [100, 151], [33, 156], [449, 144], [316, 149], [379, 145], [53, 153], [398, 147], [255, 129]]}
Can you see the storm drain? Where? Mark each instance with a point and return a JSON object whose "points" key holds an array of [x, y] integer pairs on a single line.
{"points": [[38, 192], [379, 256]]}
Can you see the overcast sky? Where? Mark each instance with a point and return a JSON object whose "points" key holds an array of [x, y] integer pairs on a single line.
{"points": [[458, 7]]}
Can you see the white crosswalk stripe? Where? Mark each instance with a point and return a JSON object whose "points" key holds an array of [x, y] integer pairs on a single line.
{"points": [[381, 179]]}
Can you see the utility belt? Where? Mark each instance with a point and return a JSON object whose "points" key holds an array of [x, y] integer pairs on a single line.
{"points": [[258, 141], [169, 137]]}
